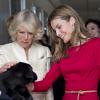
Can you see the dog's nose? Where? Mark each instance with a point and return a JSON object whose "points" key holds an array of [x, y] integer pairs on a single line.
{"points": [[35, 76], [31, 77]]}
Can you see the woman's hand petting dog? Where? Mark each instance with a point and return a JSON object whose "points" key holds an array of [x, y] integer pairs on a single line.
{"points": [[30, 87], [7, 66]]}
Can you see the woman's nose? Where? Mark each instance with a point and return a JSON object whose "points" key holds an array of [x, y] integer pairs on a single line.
{"points": [[26, 35]]}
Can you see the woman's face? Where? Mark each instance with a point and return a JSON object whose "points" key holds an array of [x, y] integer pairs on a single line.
{"points": [[24, 37], [93, 29], [63, 28]]}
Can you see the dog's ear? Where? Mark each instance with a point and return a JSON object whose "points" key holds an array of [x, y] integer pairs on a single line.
{"points": [[31, 77], [34, 76]]}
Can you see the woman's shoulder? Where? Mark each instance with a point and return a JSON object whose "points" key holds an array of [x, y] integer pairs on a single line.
{"points": [[6, 46], [94, 41]]}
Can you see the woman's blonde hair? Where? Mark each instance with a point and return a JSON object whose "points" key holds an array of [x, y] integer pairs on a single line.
{"points": [[26, 18], [65, 12]]}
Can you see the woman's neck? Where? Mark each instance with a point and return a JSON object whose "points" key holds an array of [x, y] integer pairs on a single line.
{"points": [[81, 41], [26, 52]]}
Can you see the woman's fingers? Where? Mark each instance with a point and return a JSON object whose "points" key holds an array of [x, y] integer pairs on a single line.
{"points": [[3, 70], [30, 87], [9, 64], [6, 66]]}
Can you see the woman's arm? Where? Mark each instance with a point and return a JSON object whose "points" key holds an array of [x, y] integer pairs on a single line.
{"points": [[47, 82], [49, 79]]}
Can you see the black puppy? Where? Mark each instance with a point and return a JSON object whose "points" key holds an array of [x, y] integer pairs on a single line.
{"points": [[13, 81]]}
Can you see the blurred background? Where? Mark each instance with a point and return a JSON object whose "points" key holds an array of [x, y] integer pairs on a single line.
{"points": [[86, 9]]}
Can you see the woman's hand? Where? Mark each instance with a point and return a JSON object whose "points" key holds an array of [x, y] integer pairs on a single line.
{"points": [[7, 66], [30, 87]]}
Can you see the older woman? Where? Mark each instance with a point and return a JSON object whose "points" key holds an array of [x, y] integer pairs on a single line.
{"points": [[25, 29]]}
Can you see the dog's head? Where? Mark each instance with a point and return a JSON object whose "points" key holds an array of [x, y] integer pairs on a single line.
{"points": [[24, 71], [15, 79], [20, 74]]}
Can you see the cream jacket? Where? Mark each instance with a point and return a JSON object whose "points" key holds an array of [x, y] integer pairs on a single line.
{"points": [[38, 57]]}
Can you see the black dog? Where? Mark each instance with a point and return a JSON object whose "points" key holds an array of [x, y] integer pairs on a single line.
{"points": [[13, 81]]}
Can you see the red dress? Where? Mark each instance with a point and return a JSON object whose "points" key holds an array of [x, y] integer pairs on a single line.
{"points": [[80, 71]]}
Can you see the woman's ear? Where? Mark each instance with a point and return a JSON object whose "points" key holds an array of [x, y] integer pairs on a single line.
{"points": [[72, 21]]}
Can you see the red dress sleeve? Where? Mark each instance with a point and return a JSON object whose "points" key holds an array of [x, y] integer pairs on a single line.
{"points": [[48, 80]]}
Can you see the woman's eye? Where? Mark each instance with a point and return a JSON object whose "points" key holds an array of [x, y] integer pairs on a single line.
{"points": [[22, 32], [30, 33], [92, 28], [59, 27]]}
